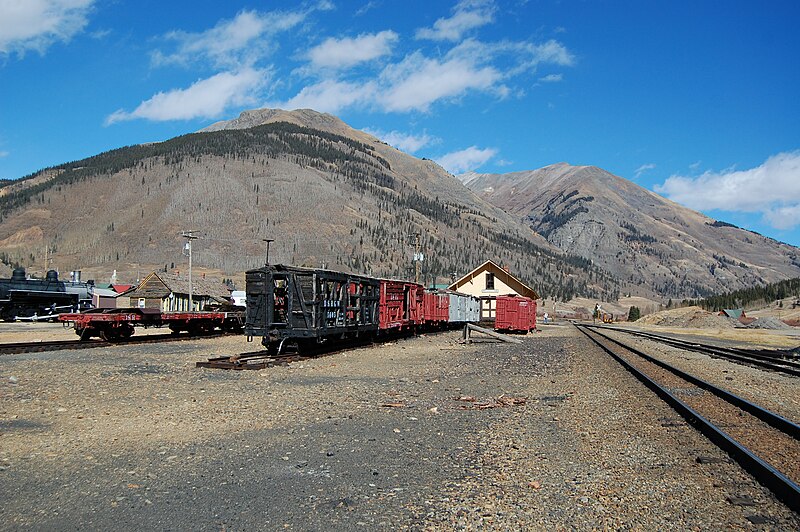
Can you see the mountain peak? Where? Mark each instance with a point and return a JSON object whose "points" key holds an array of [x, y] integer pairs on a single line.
{"points": [[634, 233], [301, 117]]}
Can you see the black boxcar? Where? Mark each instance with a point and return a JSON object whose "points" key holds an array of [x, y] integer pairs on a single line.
{"points": [[286, 303]]}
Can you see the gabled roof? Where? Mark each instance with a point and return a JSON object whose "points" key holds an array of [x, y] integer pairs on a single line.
{"points": [[179, 284], [500, 273], [104, 292], [120, 288], [734, 313]]}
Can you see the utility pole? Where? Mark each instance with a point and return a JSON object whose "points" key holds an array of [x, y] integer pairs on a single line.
{"points": [[266, 256], [189, 236], [418, 258]]}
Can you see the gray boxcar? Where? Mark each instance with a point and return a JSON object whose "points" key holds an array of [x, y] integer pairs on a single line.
{"points": [[464, 308]]}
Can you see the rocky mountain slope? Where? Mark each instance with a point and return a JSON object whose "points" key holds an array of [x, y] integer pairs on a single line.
{"points": [[327, 194], [635, 234]]}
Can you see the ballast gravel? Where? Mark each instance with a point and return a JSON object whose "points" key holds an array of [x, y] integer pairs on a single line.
{"points": [[420, 434]]}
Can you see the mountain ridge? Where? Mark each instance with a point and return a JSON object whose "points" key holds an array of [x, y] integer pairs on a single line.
{"points": [[636, 234], [347, 202]]}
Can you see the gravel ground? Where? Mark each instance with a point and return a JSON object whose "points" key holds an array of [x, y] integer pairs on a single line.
{"points": [[387, 437]]}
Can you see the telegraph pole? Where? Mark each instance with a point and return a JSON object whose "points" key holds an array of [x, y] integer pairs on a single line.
{"points": [[418, 257], [189, 236]]}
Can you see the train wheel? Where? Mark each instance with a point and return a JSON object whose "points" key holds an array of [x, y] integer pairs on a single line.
{"points": [[126, 331], [272, 349]]}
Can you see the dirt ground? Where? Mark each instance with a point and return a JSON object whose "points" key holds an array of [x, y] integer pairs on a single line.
{"points": [[422, 434]]}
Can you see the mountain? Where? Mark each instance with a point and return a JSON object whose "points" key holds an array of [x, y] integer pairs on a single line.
{"points": [[329, 195], [635, 234]]}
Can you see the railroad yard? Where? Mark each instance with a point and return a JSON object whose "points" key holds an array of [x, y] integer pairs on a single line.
{"points": [[421, 433]]}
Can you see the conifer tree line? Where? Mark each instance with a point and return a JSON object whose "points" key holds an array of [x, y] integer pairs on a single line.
{"points": [[751, 296]]}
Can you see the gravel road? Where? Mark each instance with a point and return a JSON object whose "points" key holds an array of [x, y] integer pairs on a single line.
{"points": [[422, 434]]}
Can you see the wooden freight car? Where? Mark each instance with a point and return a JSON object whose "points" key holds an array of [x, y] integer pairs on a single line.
{"points": [[286, 303], [515, 314], [119, 324], [401, 305]]}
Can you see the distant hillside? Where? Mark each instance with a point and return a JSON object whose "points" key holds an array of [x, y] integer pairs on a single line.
{"points": [[749, 296], [329, 195], [638, 236]]}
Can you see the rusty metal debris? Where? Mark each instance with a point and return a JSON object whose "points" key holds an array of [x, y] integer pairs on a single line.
{"points": [[257, 360], [495, 402]]}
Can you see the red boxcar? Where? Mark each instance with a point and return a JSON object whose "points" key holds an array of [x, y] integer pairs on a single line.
{"points": [[401, 304], [515, 313], [436, 307]]}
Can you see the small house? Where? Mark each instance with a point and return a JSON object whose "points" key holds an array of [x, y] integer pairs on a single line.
{"points": [[169, 292], [104, 297], [488, 281], [734, 313]]}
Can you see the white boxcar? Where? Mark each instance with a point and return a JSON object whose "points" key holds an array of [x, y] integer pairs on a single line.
{"points": [[464, 308]]}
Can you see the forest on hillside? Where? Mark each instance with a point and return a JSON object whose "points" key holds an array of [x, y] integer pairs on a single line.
{"points": [[750, 297], [266, 171]]}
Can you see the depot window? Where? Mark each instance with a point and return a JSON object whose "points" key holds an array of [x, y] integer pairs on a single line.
{"points": [[489, 281]]}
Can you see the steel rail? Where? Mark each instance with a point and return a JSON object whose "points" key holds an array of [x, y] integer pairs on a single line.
{"points": [[774, 356], [783, 488], [740, 355], [779, 422], [17, 348]]}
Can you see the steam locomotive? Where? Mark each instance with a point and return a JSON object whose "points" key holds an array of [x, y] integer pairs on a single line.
{"points": [[22, 298]]}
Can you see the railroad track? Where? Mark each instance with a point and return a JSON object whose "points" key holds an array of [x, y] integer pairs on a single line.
{"points": [[265, 359], [782, 361], [763, 443], [38, 347]]}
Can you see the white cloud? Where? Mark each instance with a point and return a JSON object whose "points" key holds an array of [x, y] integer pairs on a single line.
{"points": [[552, 78], [37, 24], [331, 96], [238, 41], [417, 82], [642, 169], [403, 141], [787, 217], [4, 154], [413, 84], [772, 188], [367, 7], [346, 52], [465, 160], [467, 15], [206, 98]]}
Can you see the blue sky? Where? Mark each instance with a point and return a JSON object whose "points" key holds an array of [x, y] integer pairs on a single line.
{"points": [[697, 100]]}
